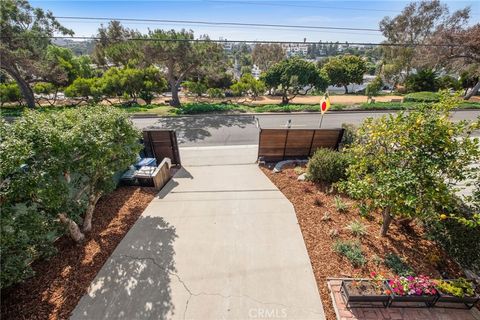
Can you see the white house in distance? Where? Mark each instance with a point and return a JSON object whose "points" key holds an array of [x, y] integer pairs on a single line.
{"points": [[295, 49]]}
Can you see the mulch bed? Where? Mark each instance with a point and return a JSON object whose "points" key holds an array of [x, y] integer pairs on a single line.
{"points": [[422, 255], [61, 281]]}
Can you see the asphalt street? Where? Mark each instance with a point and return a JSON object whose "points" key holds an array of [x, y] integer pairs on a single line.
{"points": [[221, 130]]}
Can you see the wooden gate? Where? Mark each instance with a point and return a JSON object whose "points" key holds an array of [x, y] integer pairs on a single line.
{"points": [[282, 144], [160, 144]]}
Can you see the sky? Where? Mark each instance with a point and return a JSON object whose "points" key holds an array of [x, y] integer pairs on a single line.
{"points": [[354, 14]]}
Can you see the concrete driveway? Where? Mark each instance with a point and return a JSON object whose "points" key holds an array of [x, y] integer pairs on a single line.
{"points": [[219, 242]]}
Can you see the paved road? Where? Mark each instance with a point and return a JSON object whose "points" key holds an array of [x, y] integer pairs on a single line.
{"points": [[215, 130], [219, 242]]}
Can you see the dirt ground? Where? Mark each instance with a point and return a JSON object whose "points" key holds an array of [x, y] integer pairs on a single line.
{"points": [[61, 281], [313, 205]]}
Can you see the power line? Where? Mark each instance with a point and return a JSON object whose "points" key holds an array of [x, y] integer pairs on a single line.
{"points": [[250, 41], [220, 23], [299, 6]]}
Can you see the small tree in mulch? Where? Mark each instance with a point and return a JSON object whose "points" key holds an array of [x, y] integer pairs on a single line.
{"points": [[407, 164], [54, 167]]}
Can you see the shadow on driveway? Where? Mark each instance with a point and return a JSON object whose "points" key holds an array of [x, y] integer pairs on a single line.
{"points": [[135, 282]]}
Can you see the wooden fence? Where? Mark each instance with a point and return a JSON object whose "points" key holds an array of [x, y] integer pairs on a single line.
{"points": [[160, 144], [282, 144]]}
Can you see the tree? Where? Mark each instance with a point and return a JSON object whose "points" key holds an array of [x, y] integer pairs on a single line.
{"points": [[26, 33], [248, 85], [53, 169], [414, 26], [266, 55], [345, 70], [89, 90], [463, 56], [180, 55], [113, 46], [133, 83], [407, 164], [295, 76]]}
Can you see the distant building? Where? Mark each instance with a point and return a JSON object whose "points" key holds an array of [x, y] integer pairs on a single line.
{"points": [[256, 71], [295, 49]]}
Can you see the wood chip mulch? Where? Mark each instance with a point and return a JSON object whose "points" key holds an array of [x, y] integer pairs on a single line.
{"points": [[61, 281], [422, 255]]}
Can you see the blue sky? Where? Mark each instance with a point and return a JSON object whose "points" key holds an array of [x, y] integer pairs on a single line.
{"points": [[356, 14]]}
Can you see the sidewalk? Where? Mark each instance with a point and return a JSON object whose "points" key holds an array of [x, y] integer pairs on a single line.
{"points": [[220, 242]]}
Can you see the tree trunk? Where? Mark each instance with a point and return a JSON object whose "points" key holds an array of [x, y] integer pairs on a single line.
{"points": [[175, 101], [387, 219], [472, 92], [92, 202], [23, 85], [346, 89], [285, 99], [73, 228]]}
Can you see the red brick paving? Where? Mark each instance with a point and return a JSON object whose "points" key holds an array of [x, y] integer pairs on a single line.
{"points": [[345, 313]]}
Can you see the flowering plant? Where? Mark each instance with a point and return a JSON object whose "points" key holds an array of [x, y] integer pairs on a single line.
{"points": [[414, 286]]}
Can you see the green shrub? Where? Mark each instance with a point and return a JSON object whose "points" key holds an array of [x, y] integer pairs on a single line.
{"points": [[458, 287], [423, 80], [215, 93], [327, 166], [54, 166], [397, 265], [195, 87], [448, 82], [349, 134], [340, 205], [352, 251], [459, 241], [357, 228], [43, 88], [10, 92], [196, 108], [374, 87], [422, 97]]}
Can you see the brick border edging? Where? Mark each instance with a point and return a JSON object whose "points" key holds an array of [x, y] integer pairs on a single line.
{"points": [[337, 313]]}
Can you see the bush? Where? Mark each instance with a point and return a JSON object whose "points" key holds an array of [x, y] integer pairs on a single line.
{"points": [[422, 97], [351, 250], [397, 265], [327, 166], [54, 167], [196, 87], [10, 92], [423, 80], [459, 241], [196, 108], [357, 228], [374, 87], [448, 82], [406, 164], [215, 93]]}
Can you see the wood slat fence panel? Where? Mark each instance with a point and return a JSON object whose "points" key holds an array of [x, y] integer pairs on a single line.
{"points": [[160, 144], [282, 144]]}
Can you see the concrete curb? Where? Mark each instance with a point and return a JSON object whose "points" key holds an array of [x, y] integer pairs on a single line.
{"points": [[249, 114]]}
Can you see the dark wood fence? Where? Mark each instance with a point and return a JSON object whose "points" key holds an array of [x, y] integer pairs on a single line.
{"points": [[160, 144], [282, 144]]}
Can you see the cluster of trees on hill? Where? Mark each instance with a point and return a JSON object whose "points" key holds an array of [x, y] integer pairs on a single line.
{"points": [[120, 67]]}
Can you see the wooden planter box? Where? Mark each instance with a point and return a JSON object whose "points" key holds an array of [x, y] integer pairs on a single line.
{"points": [[355, 299], [428, 300]]}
